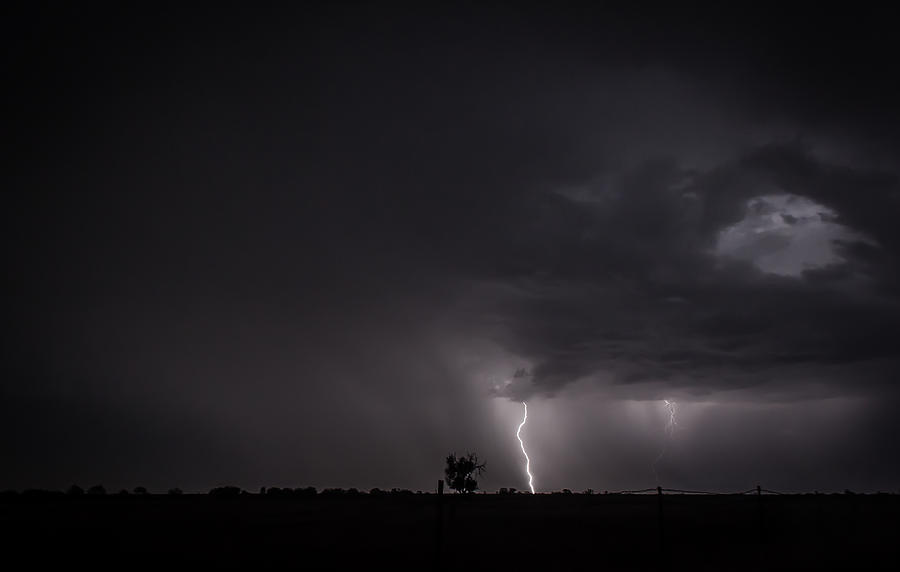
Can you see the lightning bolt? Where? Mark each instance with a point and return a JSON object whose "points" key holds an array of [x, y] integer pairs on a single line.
{"points": [[522, 443], [671, 408]]}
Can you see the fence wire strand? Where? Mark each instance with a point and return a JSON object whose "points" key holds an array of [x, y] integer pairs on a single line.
{"points": [[754, 490]]}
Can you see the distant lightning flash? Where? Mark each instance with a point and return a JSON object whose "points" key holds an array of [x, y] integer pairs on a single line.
{"points": [[671, 408], [527, 461]]}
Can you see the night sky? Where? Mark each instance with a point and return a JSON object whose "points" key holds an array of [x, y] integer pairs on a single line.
{"points": [[328, 245]]}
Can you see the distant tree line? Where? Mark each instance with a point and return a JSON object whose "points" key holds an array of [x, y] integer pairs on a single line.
{"points": [[229, 491], [221, 491]]}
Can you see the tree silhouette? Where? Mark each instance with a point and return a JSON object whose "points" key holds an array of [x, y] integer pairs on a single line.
{"points": [[461, 471]]}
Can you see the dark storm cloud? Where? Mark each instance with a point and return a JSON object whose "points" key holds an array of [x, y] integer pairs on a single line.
{"points": [[648, 238], [294, 233]]}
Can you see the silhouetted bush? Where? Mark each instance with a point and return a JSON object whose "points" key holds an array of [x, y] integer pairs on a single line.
{"points": [[305, 492], [377, 492], [75, 490], [226, 491], [460, 472], [333, 492], [588, 492], [124, 492], [96, 490], [175, 491], [140, 491]]}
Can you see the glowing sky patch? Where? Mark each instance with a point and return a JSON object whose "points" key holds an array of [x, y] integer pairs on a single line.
{"points": [[785, 234]]}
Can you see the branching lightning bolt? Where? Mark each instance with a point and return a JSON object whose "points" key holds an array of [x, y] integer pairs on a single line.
{"points": [[671, 408], [522, 443]]}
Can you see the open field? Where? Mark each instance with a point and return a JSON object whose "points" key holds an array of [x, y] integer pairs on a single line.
{"points": [[424, 531]]}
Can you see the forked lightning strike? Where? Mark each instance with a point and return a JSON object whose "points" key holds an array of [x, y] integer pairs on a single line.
{"points": [[671, 408], [670, 426], [527, 461]]}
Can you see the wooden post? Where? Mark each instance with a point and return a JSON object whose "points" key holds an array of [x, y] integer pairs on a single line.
{"points": [[820, 519], [659, 515], [760, 523], [439, 527]]}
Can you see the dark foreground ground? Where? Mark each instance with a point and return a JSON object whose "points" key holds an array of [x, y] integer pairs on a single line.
{"points": [[417, 532]]}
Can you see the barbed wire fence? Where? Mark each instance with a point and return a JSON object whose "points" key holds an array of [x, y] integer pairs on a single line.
{"points": [[660, 490]]}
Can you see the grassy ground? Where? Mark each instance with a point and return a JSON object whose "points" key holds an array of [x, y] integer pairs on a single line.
{"points": [[505, 532]]}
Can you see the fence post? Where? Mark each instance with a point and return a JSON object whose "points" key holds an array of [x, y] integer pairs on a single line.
{"points": [[659, 515], [760, 524], [439, 527]]}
